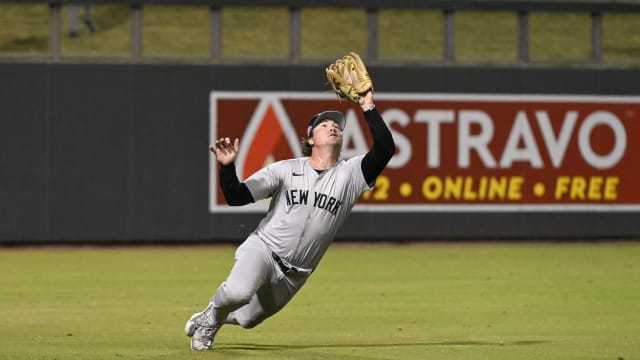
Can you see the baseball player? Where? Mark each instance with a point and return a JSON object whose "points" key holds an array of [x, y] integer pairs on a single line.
{"points": [[310, 198]]}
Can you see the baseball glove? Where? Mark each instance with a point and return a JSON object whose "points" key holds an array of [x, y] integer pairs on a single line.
{"points": [[349, 78]]}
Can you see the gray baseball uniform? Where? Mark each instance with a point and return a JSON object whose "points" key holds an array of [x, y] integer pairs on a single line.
{"points": [[306, 210]]}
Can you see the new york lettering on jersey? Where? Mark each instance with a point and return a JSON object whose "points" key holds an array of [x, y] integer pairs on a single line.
{"points": [[320, 200]]}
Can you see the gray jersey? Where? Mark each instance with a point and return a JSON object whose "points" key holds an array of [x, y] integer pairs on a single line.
{"points": [[306, 208]]}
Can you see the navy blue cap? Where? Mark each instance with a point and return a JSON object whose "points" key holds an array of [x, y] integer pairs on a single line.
{"points": [[334, 115]]}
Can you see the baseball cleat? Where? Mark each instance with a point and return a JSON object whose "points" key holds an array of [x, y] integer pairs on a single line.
{"points": [[198, 319], [202, 338]]}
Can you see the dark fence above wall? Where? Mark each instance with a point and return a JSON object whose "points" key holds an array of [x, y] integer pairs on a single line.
{"points": [[118, 152]]}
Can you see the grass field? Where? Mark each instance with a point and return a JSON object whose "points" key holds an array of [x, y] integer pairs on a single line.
{"points": [[183, 34], [420, 301]]}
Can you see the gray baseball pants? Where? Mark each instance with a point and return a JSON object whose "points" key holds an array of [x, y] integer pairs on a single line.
{"points": [[256, 287]]}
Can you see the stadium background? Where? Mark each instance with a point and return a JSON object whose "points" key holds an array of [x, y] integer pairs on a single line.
{"points": [[95, 152], [118, 152]]}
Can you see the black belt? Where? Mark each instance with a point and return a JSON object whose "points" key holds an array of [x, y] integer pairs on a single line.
{"points": [[284, 267]]}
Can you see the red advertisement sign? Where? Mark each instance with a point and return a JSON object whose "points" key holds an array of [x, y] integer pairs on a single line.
{"points": [[456, 152]]}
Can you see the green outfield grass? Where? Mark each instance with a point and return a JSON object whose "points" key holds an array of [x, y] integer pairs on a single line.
{"points": [[423, 301], [173, 33]]}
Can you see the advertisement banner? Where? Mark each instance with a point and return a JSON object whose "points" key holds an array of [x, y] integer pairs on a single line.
{"points": [[455, 152]]}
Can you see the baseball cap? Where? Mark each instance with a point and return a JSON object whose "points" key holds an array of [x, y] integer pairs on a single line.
{"points": [[334, 115]]}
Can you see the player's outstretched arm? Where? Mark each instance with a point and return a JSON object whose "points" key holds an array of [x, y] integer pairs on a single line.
{"points": [[383, 145], [235, 192], [350, 79]]}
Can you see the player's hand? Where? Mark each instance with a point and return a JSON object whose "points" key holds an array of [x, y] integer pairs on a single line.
{"points": [[367, 101], [224, 150]]}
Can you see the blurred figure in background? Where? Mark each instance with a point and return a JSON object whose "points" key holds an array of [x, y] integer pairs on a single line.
{"points": [[87, 19]]}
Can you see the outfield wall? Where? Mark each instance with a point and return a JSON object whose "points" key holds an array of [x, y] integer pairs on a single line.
{"points": [[118, 153]]}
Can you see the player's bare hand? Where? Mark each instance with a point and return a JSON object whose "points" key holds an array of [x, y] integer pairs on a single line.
{"points": [[225, 150], [367, 101]]}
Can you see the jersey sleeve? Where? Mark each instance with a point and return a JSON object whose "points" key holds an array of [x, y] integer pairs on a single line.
{"points": [[359, 183], [263, 183]]}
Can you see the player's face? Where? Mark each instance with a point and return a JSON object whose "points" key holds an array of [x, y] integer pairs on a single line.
{"points": [[329, 132]]}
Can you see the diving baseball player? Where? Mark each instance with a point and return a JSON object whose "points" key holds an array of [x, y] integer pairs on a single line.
{"points": [[310, 198]]}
